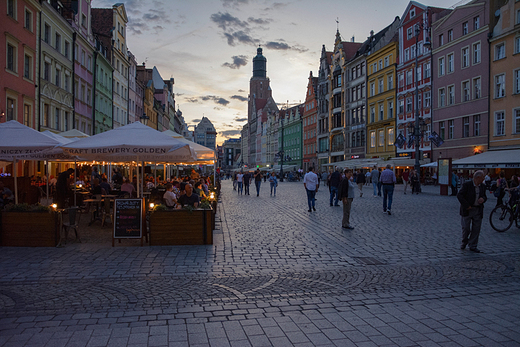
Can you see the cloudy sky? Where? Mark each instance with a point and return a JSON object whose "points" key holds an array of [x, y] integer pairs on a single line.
{"points": [[207, 46]]}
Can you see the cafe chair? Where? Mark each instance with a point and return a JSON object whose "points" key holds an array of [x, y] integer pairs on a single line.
{"points": [[106, 212], [70, 220]]}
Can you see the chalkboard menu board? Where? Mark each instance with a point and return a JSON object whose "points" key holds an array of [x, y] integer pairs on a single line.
{"points": [[128, 218]]}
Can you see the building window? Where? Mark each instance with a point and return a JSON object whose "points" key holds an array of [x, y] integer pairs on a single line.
{"points": [[372, 139], [442, 130], [381, 141], [500, 51], [409, 77], [465, 28], [390, 137], [27, 115], [84, 20], [10, 109], [372, 114], [500, 123], [465, 127], [409, 33], [427, 70], [372, 89], [409, 105], [27, 64], [517, 16], [46, 115], [381, 112], [406, 54], [476, 88], [476, 23], [387, 61], [390, 80], [67, 83], [427, 99], [57, 119], [441, 39], [450, 35], [58, 77], [465, 57], [390, 109], [476, 53], [47, 33], [517, 44], [58, 42], [451, 128], [516, 76], [516, 120], [401, 106], [451, 63], [476, 125], [381, 86], [451, 95], [441, 66], [11, 57], [28, 20], [11, 11], [465, 91], [500, 86], [442, 97]]}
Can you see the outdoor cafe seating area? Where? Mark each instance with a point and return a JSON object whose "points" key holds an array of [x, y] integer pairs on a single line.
{"points": [[87, 212]]}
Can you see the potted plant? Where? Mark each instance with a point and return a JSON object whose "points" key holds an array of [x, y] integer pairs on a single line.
{"points": [[24, 225]]}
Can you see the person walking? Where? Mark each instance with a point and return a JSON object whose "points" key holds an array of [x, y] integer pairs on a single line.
{"points": [[310, 182], [347, 190], [388, 181], [360, 180], [405, 176], [374, 177], [414, 182], [472, 196], [247, 182], [258, 181], [240, 182], [335, 179], [273, 182], [502, 185], [454, 181]]}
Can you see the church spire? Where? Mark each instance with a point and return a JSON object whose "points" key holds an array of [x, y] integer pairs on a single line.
{"points": [[259, 64]]}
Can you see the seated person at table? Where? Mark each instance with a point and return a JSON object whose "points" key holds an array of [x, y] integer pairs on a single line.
{"points": [[128, 188], [170, 199], [198, 190], [96, 188], [189, 198], [6, 195], [105, 187]]}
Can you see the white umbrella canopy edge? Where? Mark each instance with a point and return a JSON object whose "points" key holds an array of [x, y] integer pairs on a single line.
{"points": [[202, 152], [130, 142], [17, 139]]}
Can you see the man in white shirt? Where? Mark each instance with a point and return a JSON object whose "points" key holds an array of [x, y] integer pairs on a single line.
{"points": [[311, 184], [240, 181]]}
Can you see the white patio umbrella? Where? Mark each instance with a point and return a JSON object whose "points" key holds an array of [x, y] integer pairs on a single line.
{"points": [[203, 152], [18, 141], [133, 142]]}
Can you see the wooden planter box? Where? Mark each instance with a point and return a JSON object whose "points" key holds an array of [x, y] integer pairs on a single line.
{"points": [[29, 229], [181, 227]]}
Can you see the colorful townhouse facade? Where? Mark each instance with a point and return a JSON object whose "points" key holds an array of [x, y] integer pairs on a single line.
{"points": [[56, 77], [459, 94], [414, 93], [504, 105], [310, 122], [381, 96], [103, 71], [19, 25]]}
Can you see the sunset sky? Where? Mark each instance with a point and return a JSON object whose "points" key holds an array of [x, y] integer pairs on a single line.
{"points": [[207, 46]]}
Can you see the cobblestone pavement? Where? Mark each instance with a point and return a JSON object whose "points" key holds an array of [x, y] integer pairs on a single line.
{"points": [[277, 275]]}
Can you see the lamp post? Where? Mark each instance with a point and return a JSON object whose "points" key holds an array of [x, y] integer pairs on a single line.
{"points": [[144, 119], [281, 155], [417, 129]]}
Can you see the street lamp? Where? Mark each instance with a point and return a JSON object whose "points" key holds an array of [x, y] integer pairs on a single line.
{"points": [[144, 119], [281, 153], [417, 129]]}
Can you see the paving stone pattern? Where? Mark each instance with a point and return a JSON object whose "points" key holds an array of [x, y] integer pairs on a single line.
{"points": [[277, 275]]}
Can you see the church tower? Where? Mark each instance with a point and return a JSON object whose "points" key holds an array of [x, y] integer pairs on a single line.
{"points": [[259, 84]]}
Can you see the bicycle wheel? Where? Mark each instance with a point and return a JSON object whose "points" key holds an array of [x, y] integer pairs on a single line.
{"points": [[501, 218]]}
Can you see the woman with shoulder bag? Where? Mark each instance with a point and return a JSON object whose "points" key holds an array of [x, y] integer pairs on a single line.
{"points": [[501, 188]]}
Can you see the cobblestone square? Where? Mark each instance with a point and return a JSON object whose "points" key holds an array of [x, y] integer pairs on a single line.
{"points": [[276, 275]]}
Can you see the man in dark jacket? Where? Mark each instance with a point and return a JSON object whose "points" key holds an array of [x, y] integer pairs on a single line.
{"points": [[335, 179], [472, 196]]}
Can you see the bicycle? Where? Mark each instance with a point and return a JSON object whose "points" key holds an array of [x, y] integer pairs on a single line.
{"points": [[503, 216]]}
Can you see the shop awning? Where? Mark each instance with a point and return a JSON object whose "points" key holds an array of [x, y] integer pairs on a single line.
{"points": [[499, 159]]}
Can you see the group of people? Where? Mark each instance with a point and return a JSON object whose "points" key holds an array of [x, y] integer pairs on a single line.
{"points": [[242, 181], [180, 194]]}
